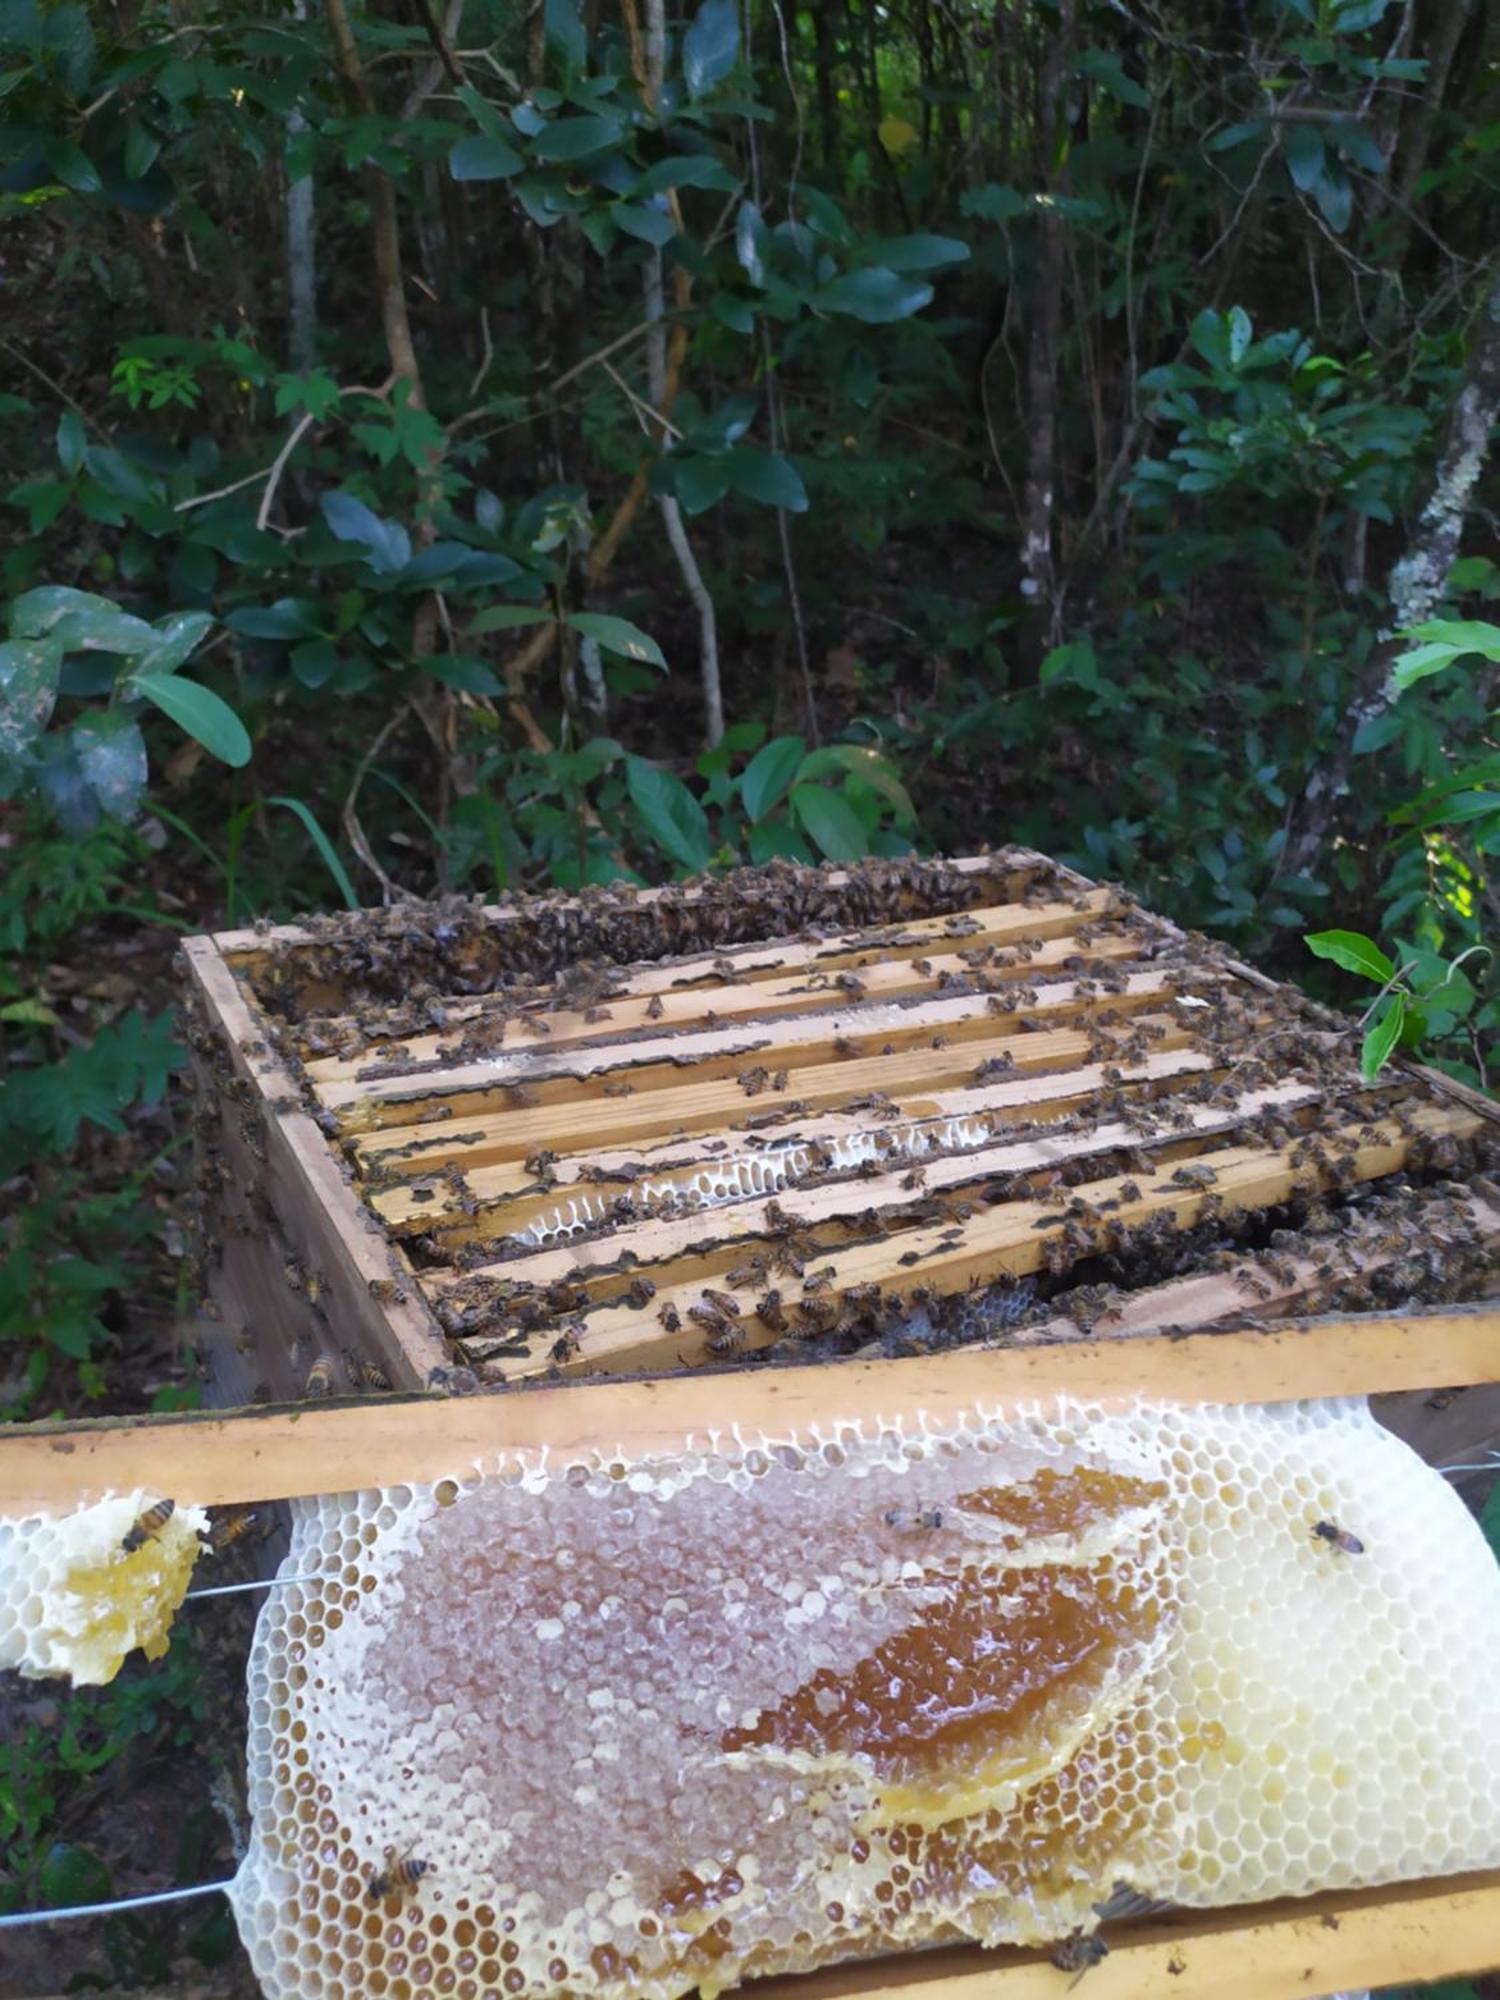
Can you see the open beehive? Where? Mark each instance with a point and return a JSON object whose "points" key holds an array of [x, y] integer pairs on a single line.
{"points": [[964, 1545], [801, 1112]]}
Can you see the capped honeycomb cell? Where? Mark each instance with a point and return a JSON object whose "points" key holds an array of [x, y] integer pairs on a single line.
{"points": [[642, 1726], [79, 1591]]}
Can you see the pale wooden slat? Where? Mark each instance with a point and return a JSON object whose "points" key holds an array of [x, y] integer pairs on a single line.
{"points": [[315, 1205], [570, 1126], [1347, 1940], [703, 1053], [951, 1257], [679, 991], [280, 1454], [714, 1239], [1033, 1100]]}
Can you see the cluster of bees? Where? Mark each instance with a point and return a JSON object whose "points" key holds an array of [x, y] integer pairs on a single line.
{"points": [[230, 1525]]}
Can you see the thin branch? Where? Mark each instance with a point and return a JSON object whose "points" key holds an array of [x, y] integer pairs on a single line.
{"points": [[57, 389], [278, 466], [647, 412], [613, 347], [488, 354]]}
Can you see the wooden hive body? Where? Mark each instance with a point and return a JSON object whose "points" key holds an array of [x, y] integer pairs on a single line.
{"points": [[946, 1134]]}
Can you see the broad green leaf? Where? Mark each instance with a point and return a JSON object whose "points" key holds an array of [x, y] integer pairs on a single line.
{"points": [[1303, 146], [1236, 135], [565, 32], [618, 635], [830, 822], [647, 224], [1334, 194], [1239, 335], [72, 166], [1382, 1036], [387, 542], [919, 253], [768, 477], [315, 662], [483, 156], [28, 693], [287, 618], [711, 46], [71, 439], [875, 295], [994, 203], [1465, 635], [679, 170], [576, 138], [111, 753], [672, 816], [78, 621], [767, 778], [858, 760], [176, 636], [200, 712], [507, 618], [751, 242], [1353, 951], [325, 847], [1106, 69], [697, 482]]}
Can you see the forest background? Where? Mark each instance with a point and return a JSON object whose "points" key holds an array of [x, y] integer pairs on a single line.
{"points": [[461, 446]]}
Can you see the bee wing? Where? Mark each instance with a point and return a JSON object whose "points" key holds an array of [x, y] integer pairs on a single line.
{"points": [[1124, 1903]]}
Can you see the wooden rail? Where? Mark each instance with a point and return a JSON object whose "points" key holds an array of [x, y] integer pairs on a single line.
{"points": [[279, 1454]]}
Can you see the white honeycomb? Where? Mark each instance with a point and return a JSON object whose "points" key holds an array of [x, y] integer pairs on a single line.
{"points": [[635, 1728], [743, 1176], [74, 1601]]}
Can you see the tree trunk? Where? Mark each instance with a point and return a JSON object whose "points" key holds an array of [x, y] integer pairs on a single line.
{"points": [[301, 252], [1415, 589], [1038, 568]]}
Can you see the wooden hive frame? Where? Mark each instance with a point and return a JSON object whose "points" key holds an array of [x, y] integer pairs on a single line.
{"points": [[337, 1279]]}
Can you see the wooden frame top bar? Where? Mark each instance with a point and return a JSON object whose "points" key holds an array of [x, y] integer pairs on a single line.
{"points": [[278, 1454]]}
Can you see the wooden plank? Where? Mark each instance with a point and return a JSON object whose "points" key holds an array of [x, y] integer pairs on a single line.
{"points": [[1033, 1099], [947, 1257], [714, 1238], [704, 1053], [705, 1107], [312, 1201], [280, 1454], [1341, 1941], [760, 980]]}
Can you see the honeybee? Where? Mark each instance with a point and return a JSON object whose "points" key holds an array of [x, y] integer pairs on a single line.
{"points": [[1079, 1952], [232, 1526], [1338, 1538], [640, 1293], [769, 1311], [924, 1519], [319, 1378], [844, 1045], [146, 1527], [727, 1338], [364, 1374], [669, 1316], [722, 1302], [387, 1291], [620, 1089], [568, 1343], [654, 1008], [398, 1875]]}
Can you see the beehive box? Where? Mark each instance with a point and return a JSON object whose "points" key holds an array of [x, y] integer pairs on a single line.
{"points": [[795, 1114], [886, 1510]]}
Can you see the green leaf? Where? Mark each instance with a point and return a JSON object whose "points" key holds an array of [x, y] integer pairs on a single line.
{"points": [[71, 439], [1334, 194], [617, 635], [1465, 635], [73, 1874], [325, 848], [566, 33], [111, 753], [768, 477], [697, 482], [711, 46], [1239, 335], [1303, 146], [72, 166], [919, 253], [1236, 135], [78, 622], [575, 138], [471, 676], [1353, 951], [1382, 1036], [648, 225], [507, 618], [28, 693], [830, 822], [994, 203], [859, 761], [200, 712], [176, 636], [680, 170], [1106, 70], [875, 295], [483, 157], [767, 778], [673, 817], [351, 520]]}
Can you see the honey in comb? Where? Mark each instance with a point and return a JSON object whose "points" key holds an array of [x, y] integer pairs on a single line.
{"points": [[660, 1724]]}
